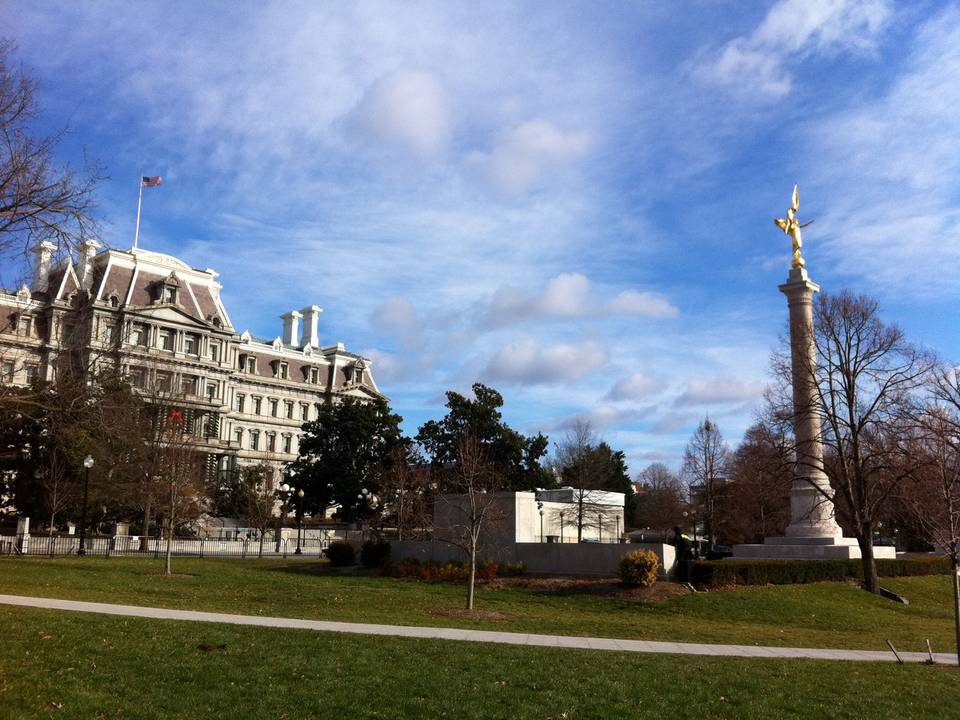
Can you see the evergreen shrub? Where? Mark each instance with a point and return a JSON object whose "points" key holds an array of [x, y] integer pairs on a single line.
{"points": [[341, 554], [717, 573], [374, 553]]}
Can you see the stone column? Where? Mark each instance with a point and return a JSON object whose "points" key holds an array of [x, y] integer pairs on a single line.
{"points": [[811, 513]]}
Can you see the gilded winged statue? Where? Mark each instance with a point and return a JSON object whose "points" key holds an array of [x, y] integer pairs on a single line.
{"points": [[791, 226]]}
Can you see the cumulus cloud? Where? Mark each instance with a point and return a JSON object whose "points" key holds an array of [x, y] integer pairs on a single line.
{"points": [[647, 304], [718, 391], [638, 385], [570, 295], [406, 109], [526, 361], [792, 30], [522, 155]]}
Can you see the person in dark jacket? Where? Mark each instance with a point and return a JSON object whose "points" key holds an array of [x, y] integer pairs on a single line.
{"points": [[684, 547]]}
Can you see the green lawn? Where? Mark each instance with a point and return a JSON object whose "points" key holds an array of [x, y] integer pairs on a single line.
{"points": [[819, 615], [72, 665]]}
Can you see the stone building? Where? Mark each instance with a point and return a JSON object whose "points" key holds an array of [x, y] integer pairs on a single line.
{"points": [[163, 324]]}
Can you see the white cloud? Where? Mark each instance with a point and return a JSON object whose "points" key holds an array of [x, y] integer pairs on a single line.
{"points": [[406, 109], [398, 318], [886, 170], [647, 304], [522, 155], [526, 361], [599, 417], [757, 63], [638, 385], [390, 367], [719, 390], [570, 295]]}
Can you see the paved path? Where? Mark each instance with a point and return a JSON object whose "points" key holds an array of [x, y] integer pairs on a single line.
{"points": [[506, 638]]}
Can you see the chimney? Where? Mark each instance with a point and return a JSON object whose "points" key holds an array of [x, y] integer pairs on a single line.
{"points": [[85, 263], [311, 318], [41, 269], [291, 328]]}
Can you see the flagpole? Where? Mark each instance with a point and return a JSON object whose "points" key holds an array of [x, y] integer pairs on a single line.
{"points": [[136, 237]]}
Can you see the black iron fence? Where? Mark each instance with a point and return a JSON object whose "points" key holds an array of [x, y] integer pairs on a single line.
{"points": [[131, 546]]}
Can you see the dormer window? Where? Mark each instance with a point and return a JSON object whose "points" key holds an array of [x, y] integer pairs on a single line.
{"points": [[358, 368], [314, 375], [168, 290], [24, 323], [113, 300], [281, 370]]}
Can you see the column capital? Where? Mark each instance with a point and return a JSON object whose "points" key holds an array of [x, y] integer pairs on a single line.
{"points": [[798, 285]]}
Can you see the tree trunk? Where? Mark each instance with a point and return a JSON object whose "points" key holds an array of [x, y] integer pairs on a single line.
{"points": [[956, 602], [473, 574], [871, 583], [281, 521], [166, 564], [166, 568], [145, 531]]}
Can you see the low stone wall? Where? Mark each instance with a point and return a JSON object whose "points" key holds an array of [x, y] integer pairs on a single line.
{"points": [[582, 559]]}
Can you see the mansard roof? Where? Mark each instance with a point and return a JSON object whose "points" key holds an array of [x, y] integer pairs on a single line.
{"points": [[134, 278]]}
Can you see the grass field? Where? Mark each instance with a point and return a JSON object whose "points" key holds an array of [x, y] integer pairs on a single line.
{"points": [[72, 665], [819, 615]]}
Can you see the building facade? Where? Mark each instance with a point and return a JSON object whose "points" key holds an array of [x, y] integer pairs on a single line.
{"points": [[162, 323]]}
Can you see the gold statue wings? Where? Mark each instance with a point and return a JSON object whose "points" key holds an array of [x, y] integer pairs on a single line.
{"points": [[791, 226]]}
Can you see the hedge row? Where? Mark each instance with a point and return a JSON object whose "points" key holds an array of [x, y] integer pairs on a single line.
{"points": [[715, 573], [451, 571]]}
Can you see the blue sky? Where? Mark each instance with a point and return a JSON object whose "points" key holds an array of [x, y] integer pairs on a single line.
{"points": [[571, 202]]}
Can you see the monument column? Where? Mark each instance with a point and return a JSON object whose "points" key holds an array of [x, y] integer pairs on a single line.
{"points": [[811, 511], [813, 532]]}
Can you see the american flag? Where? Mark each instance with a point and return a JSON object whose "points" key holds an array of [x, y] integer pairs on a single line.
{"points": [[151, 181]]}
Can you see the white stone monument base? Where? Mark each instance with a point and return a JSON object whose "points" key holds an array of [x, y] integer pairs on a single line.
{"points": [[809, 548]]}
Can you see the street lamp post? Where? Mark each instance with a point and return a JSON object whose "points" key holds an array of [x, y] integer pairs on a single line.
{"points": [[600, 525], [540, 509], [561, 526], [298, 551], [618, 527], [87, 464]]}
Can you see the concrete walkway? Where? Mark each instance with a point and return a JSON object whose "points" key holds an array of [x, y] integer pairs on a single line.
{"points": [[505, 638]]}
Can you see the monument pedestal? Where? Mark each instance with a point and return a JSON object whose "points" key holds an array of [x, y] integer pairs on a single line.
{"points": [[809, 548]]}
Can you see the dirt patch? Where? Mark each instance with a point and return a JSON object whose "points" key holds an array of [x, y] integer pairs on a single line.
{"points": [[659, 592], [464, 614]]}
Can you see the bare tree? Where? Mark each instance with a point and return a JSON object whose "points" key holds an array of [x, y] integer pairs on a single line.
{"points": [[469, 511], [704, 469], [864, 377], [660, 498], [405, 490], [933, 498], [575, 462], [60, 484], [39, 200], [257, 499], [180, 469], [756, 501]]}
